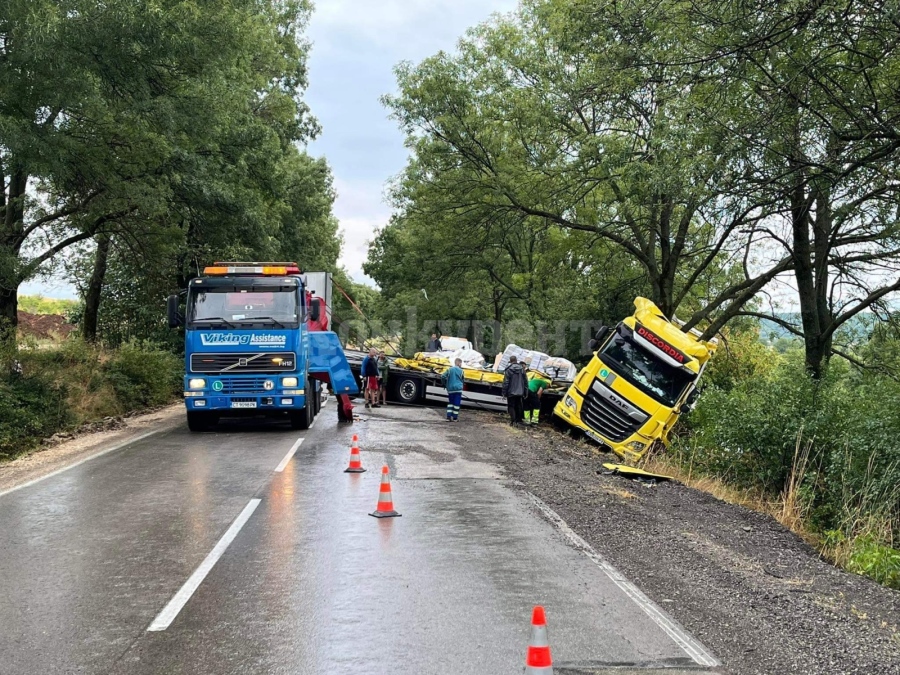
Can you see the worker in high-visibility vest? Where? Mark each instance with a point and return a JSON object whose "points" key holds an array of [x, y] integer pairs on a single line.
{"points": [[536, 387]]}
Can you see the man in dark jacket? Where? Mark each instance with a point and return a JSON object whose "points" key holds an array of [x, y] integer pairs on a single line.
{"points": [[369, 376], [515, 384], [434, 344]]}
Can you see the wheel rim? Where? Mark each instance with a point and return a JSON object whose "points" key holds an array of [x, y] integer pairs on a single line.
{"points": [[408, 390]]}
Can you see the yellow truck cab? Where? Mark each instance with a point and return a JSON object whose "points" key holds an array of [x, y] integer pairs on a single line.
{"points": [[642, 376]]}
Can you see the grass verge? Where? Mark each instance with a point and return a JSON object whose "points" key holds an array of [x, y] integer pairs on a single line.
{"points": [[62, 386], [862, 545]]}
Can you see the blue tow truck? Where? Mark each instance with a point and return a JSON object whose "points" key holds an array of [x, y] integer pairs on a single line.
{"points": [[256, 344]]}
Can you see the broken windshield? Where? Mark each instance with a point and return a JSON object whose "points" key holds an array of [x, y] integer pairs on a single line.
{"points": [[655, 378]]}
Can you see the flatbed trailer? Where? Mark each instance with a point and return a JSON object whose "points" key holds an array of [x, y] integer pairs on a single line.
{"points": [[421, 385]]}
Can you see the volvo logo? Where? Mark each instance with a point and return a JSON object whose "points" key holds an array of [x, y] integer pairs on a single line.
{"points": [[268, 385]]}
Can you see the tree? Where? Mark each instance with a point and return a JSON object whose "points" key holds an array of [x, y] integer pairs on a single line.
{"points": [[100, 137], [569, 114], [812, 94]]}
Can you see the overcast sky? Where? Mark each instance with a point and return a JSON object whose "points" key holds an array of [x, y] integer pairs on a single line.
{"points": [[356, 44]]}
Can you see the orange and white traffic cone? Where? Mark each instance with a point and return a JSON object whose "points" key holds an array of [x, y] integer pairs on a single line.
{"points": [[385, 508], [355, 460], [538, 659]]}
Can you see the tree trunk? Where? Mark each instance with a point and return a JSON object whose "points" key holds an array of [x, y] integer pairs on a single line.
{"points": [[9, 319], [95, 289]]}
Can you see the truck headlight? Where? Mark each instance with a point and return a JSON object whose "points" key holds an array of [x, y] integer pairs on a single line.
{"points": [[636, 446], [569, 402], [288, 381], [197, 383]]}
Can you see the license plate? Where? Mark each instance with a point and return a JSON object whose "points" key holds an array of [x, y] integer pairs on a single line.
{"points": [[595, 437], [243, 404]]}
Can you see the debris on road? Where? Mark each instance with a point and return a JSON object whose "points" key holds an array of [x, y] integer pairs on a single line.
{"points": [[633, 473]]}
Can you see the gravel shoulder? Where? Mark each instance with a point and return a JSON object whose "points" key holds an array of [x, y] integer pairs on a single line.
{"points": [[64, 450], [753, 592]]}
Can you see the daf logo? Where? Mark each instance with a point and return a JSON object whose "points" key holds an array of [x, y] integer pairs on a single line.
{"points": [[268, 385]]}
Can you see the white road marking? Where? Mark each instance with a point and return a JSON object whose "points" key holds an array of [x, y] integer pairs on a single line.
{"points": [[287, 458], [688, 643], [118, 446], [179, 600]]}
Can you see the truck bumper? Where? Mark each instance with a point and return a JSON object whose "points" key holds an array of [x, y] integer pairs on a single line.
{"points": [[573, 419], [245, 404]]}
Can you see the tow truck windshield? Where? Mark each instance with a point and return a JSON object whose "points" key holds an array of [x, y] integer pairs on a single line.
{"points": [[655, 378], [236, 308]]}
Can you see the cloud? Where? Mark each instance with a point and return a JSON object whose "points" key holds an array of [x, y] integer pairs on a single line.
{"points": [[356, 44]]}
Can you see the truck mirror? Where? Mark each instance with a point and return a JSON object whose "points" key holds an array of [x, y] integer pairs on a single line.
{"points": [[601, 335], [691, 400], [175, 319], [315, 309], [592, 345]]}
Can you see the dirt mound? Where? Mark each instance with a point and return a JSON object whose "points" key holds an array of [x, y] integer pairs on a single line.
{"points": [[44, 326]]}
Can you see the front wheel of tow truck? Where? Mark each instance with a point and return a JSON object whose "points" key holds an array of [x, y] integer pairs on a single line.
{"points": [[201, 421], [302, 419]]}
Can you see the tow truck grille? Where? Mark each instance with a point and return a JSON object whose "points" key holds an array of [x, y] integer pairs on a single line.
{"points": [[608, 420], [275, 362], [247, 385]]}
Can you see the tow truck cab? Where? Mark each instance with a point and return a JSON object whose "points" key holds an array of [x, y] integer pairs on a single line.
{"points": [[642, 376], [249, 349]]}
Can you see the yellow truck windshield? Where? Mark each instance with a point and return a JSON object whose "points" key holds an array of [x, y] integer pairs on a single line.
{"points": [[657, 379]]}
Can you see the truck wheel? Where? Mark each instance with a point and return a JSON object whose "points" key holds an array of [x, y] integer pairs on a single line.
{"points": [[408, 389], [201, 421], [302, 419]]}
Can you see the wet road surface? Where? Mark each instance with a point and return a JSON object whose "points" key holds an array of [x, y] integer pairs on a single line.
{"points": [[308, 582]]}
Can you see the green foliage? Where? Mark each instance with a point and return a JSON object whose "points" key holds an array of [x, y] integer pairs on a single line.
{"points": [[72, 383], [143, 375], [875, 560], [38, 304], [30, 409], [764, 423]]}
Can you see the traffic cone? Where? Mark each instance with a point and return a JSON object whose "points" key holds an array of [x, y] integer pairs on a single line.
{"points": [[385, 508], [538, 659], [355, 461]]}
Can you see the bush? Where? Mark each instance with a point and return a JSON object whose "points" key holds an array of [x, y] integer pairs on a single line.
{"points": [[143, 375], [77, 382], [30, 409], [756, 413]]}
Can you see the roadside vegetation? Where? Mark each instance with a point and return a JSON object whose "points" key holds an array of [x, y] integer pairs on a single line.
{"points": [[60, 386], [820, 456]]}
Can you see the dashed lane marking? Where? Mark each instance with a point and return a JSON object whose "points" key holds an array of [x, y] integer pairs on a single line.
{"points": [[164, 619], [287, 458], [689, 644]]}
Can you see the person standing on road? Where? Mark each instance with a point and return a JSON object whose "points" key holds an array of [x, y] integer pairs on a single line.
{"points": [[452, 380], [383, 371], [434, 344], [369, 375], [515, 384], [536, 387]]}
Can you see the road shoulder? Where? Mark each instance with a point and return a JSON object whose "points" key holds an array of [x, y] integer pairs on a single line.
{"points": [[54, 458], [754, 593]]}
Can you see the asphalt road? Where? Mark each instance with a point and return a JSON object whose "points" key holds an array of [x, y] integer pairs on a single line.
{"points": [[191, 553]]}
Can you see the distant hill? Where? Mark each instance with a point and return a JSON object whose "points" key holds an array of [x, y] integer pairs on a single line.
{"points": [[38, 304], [857, 328]]}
